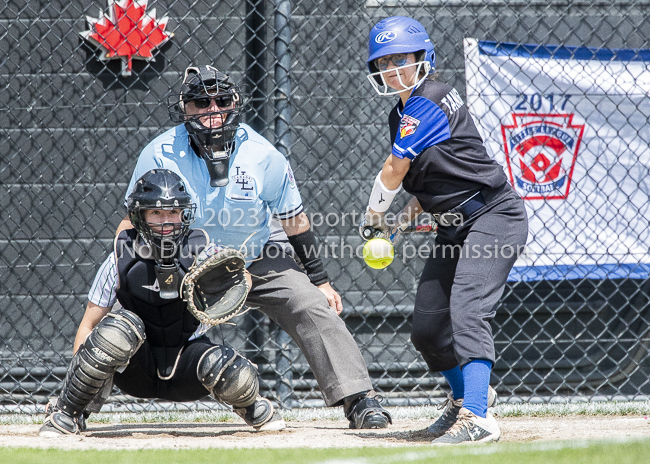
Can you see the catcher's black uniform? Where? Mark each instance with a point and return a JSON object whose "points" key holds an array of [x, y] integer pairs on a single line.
{"points": [[165, 366], [152, 346]]}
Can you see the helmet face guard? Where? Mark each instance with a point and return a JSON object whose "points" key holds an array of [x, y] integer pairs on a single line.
{"points": [[378, 79], [212, 132], [162, 190], [163, 238], [399, 34]]}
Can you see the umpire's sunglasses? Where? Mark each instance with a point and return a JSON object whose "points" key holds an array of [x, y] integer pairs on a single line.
{"points": [[222, 101], [398, 60]]}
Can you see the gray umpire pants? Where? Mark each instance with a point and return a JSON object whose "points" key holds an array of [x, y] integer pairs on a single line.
{"points": [[283, 291]]}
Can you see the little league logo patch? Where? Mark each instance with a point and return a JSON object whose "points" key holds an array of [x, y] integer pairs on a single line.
{"points": [[292, 179], [541, 152], [243, 187], [408, 125]]}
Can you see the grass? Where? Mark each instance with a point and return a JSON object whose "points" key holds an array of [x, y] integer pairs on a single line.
{"points": [[640, 408], [578, 452]]}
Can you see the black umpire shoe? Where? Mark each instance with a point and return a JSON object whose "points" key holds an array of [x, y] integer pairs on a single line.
{"points": [[365, 412]]}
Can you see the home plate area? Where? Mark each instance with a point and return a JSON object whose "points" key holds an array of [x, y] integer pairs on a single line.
{"points": [[314, 433]]}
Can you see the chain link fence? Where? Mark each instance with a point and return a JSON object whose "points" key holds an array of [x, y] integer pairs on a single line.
{"points": [[72, 125]]}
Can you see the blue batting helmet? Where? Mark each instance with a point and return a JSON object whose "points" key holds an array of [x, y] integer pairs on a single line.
{"points": [[399, 34]]}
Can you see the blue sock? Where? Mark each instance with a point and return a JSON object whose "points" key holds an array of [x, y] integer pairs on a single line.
{"points": [[455, 380], [476, 375]]}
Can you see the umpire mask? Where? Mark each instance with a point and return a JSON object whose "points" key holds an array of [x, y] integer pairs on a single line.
{"points": [[210, 106]]}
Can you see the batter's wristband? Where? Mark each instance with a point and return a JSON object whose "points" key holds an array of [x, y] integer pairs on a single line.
{"points": [[381, 197], [305, 247]]}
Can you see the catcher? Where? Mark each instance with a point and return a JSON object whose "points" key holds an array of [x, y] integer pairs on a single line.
{"points": [[171, 285]]}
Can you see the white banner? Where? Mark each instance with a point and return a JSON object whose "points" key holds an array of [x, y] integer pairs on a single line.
{"points": [[571, 128]]}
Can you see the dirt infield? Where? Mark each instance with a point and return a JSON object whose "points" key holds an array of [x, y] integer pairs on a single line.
{"points": [[314, 434]]}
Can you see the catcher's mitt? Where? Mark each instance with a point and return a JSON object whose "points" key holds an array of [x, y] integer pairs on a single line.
{"points": [[215, 287]]}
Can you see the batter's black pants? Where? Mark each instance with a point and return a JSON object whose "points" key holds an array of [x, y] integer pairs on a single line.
{"points": [[462, 281]]}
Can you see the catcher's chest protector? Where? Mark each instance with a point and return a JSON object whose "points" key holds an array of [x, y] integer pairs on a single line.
{"points": [[168, 323]]}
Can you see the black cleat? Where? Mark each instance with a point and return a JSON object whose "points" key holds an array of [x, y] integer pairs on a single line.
{"points": [[365, 412], [449, 416], [82, 421], [57, 423], [262, 416]]}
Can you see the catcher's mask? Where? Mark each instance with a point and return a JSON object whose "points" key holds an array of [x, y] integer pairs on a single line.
{"points": [[162, 190], [210, 105]]}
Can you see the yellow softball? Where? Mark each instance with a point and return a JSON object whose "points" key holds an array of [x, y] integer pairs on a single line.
{"points": [[378, 253]]}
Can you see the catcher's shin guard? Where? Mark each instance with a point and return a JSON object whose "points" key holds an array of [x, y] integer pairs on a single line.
{"points": [[230, 377], [109, 346]]}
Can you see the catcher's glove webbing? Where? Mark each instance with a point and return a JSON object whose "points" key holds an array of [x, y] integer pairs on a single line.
{"points": [[215, 287]]}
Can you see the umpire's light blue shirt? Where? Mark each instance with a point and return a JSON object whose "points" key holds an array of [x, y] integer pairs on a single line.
{"points": [[261, 184]]}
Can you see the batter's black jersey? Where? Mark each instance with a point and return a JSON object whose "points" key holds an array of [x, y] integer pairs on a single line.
{"points": [[450, 163]]}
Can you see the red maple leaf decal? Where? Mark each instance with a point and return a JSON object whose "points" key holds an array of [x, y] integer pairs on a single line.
{"points": [[130, 32]]}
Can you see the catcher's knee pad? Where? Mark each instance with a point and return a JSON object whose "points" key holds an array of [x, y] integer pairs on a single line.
{"points": [[116, 338], [109, 346], [230, 377]]}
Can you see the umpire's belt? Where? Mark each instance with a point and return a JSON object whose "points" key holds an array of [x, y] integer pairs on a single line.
{"points": [[459, 214]]}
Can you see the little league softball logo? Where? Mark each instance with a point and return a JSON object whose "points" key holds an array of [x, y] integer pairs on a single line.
{"points": [[541, 152], [408, 125]]}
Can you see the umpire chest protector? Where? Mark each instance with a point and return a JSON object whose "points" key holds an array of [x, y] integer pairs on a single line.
{"points": [[168, 323]]}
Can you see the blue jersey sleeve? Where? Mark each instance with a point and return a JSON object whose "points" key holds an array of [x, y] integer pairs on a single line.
{"points": [[422, 125], [280, 190]]}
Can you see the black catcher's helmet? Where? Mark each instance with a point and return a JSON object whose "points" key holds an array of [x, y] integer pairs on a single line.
{"points": [[161, 189], [200, 85]]}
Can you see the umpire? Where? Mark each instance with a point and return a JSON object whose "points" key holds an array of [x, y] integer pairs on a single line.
{"points": [[240, 183]]}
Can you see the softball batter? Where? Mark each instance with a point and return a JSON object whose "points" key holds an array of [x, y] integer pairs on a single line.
{"points": [[438, 157]]}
